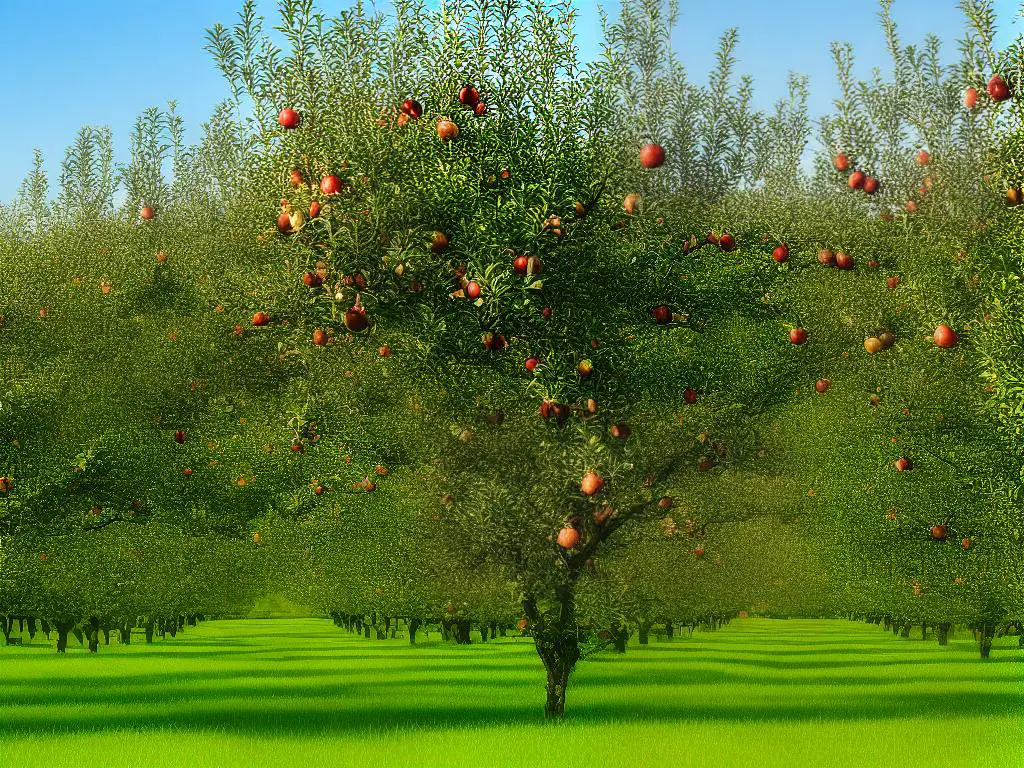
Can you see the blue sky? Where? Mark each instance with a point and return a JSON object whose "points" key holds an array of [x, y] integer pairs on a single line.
{"points": [[103, 63]]}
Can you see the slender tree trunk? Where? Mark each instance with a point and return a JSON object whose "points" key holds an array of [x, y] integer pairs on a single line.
{"points": [[414, 625], [106, 634], [6, 626], [924, 630], [644, 633], [93, 632], [988, 632], [483, 631], [366, 630], [669, 630], [942, 632], [462, 628], [620, 636], [47, 629], [62, 636], [126, 633], [494, 630], [31, 628], [149, 631]]}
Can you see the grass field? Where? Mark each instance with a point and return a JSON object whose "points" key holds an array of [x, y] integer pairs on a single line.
{"points": [[301, 692]]}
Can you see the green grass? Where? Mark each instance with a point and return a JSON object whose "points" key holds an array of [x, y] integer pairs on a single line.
{"points": [[300, 692]]}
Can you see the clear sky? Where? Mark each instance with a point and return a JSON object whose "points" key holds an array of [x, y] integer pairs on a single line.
{"points": [[104, 62]]}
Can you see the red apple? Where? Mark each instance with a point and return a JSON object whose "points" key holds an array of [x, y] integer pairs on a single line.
{"points": [[319, 337], [147, 213], [412, 108], [856, 180], [727, 242], [965, 543], [469, 96], [844, 261], [531, 364], [439, 242], [945, 337], [289, 118], [621, 431], [998, 90], [841, 162], [781, 253], [798, 336], [892, 282], [970, 98], [330, 185], [903, 464], [939, 532], [690, 396], [179, 436], [260, 319], [314, 209], [520, 265], [870, 185], [826, 257], [822, 386], [447, 130], [355, 319], [295, 178], [652, 156], [480, 109], [473, 290], [662, 314], [923, 158]]}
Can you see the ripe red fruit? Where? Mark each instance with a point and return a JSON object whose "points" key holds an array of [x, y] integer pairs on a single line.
{"points": [[330, 185], [939, 532], [546, 312], [945, 337], [284, 223], [781, 253], [531, 364], [652, 156], [261, 318], [480, 109], [147, 213], [412, 108], [965, 543], [312, 280], [439, 242], [179, 436], [493, 342], [5, 484], [187, 472], [289, 118], [447, 130], [584, 368], [903, 464], [841, 162], [911, 206], [856, 180], [690, 395], [314, 209], [320, 337], [872, 264], [621, 431], [473, 290], [666, 502], [892, 282], [826, 257], [469, 96], [519, 265], [699, 552], [822, 386], [798, 336], [591, 483], [923, 158], [384, 351], [568, 538], [355, 319], [662, 314], [296, 447], [870, 185], [844, 261], [998, 89], [295, 178], [970, 98], [727, 242]]}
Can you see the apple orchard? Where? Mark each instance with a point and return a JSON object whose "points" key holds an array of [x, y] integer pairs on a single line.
{"points": [[438, 325]]}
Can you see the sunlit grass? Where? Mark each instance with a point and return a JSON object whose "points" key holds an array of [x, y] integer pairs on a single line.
{"points": [[291, 692]]}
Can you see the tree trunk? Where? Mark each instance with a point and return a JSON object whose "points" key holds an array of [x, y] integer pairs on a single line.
{"points": [[924, 630], [943, 632], [192, 620], [494, 630], [6, 625], [555, 637], [31, 628], [462, 637], [988, 632], [366, 630], [644, 633], [93, 632], [106, 634], [414, 625], [669, 630], [905, 631], [149, 631], [125, 631], [62, 635], [620, 637], [45, 626], [483, 631]]}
